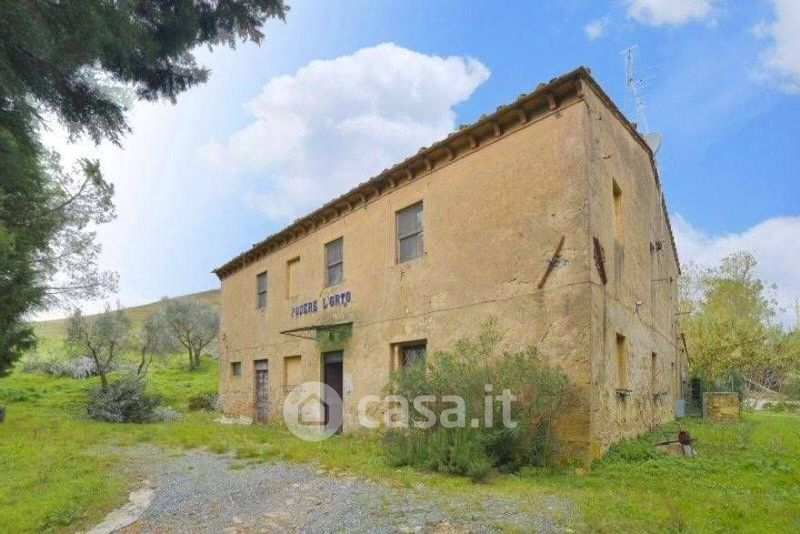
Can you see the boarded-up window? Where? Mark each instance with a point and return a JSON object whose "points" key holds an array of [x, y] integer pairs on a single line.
{"points": [[291, 372], [409, 233], [292, 277], [236, 368], [622, 362], [261, 291], [618, 219], [334, 262]]}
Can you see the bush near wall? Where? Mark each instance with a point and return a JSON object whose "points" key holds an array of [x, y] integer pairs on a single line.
{"points": [[465, 370], [203, 402], [123, 401]]}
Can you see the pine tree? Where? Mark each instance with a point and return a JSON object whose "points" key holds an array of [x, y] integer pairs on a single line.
{"points": [[58, 58]]}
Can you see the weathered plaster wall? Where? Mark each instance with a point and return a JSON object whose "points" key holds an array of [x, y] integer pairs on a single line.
{"points": [[491, 220], [639, 299]]}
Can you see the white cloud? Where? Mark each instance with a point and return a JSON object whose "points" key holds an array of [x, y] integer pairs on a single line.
{"points": [[660, 12], [773, 242], [781, 62], [595, 29], [335, 123]]}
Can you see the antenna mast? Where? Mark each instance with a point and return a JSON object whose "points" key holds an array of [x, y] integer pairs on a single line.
{"points": [[634, 103]]}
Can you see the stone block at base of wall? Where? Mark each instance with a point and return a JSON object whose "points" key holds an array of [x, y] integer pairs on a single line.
{"points": [[721, 406]]}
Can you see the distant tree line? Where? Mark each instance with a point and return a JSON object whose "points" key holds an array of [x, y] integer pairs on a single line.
{"points": [[734, 340]]}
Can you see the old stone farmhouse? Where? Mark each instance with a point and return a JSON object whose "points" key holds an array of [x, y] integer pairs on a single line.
{"points": [[547, 214]]}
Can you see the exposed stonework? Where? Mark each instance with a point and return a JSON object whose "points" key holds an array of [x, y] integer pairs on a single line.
{"points": [[500, 198]]}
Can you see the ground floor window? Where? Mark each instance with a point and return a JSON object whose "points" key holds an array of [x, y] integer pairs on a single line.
{"points": [[236, 368], [405, 355]]}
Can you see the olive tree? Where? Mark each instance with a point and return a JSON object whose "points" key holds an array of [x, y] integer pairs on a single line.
{"points": [[194, 323], [102, 337], [154, 337]]}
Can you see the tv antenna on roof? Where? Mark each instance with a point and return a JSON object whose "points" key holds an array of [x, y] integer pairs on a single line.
{"points": [[634, 102]]}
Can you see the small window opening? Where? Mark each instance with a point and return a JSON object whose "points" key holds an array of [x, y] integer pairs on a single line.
{"points": [[622, 362], [618, 223]]}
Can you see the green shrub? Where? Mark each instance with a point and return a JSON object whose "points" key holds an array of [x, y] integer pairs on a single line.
{"points": [[14, 395], [123, 401], [465, 371], [782, 407], [79, 367], [636, 450], [165, 413], [792, 388], [203, 402]]}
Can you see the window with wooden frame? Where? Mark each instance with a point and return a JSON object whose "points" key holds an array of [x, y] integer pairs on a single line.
{"points": [[261, 290], [409, 233], [334, 262]]}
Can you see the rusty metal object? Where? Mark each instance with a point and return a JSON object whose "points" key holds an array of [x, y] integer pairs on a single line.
{"points": [[600, 260], [552, 261]]}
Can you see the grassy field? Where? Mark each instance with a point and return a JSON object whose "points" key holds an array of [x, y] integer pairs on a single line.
{"points": [[57, 328], [62, 472]]}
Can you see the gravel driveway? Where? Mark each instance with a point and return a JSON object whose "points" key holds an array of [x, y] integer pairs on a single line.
{"points": [[204, 492]]}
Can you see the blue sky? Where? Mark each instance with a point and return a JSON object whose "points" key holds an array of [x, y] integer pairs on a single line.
{"points": [[269, 137]]}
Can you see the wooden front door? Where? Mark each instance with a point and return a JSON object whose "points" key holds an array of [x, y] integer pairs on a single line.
{"points": [[333, 376], [262, 390]]}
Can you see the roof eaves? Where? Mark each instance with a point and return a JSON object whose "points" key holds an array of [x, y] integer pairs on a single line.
{"points": [[541, 90]]}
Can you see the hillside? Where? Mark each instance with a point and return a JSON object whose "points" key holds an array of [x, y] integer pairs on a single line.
{"points": [[56, 328]]}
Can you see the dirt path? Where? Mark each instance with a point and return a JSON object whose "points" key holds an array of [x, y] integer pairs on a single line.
{"points": [[203, 492]]}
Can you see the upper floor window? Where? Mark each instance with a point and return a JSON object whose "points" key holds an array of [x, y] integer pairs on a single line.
{"points": [[618, 228], [292, 277], [261, 290], [334, 262], [409, 233]]}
